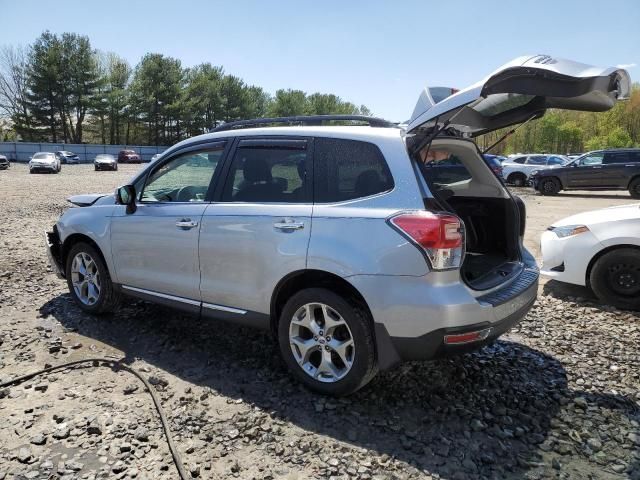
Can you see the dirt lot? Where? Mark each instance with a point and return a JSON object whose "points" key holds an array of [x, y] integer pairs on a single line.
{"points": [[559, 397]]}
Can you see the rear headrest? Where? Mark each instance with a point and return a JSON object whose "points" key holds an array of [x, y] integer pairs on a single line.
{"points": [[256, 170]]}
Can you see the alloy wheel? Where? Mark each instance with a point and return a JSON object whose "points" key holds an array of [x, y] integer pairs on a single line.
{"points": [[85, 278], [321, 342]]}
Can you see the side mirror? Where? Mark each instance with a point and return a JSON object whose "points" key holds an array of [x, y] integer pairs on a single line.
{"points": [[126, 195]]}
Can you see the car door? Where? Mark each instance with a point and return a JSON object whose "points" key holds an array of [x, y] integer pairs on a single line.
{"points": [[586, 172], [155, 249], [615, 166], [258, 228]]}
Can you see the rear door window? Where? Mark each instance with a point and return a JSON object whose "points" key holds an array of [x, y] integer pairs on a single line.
{"points": [[537, 160], [268, 171], [519, 160], [348, 169], [616, 157]]}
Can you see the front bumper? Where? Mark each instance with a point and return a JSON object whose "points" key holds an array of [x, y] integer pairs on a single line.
{"points": [[54, 252], [105, 166], [43, 167], [566, 259]]}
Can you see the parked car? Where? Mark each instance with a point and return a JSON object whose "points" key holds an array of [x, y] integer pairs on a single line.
{"points": [[44, 162], [128, 156], [67, 157], [336, 238], [516, 170], [615, 169], [598, 249], [104, 161], [495, 163], [4, 162]]}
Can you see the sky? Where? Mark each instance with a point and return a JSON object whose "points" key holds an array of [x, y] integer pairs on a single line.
{"points": [[377, 53]]}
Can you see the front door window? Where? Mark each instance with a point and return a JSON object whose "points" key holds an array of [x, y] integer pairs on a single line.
{"points": [[185, 178]]}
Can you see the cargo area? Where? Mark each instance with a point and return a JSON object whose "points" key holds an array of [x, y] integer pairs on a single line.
{"points": [[462, 183]]}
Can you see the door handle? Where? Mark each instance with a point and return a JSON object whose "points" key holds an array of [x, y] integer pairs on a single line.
{"points": [[186, 224], [288, 226]]}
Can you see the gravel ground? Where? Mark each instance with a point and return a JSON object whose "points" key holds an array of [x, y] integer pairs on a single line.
{"points": [[558, 397]]}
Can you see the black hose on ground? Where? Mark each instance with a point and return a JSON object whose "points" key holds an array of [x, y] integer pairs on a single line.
{"points": [[114, 365]]}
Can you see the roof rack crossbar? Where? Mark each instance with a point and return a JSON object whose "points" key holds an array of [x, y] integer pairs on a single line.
{"points": [[312, 120]]}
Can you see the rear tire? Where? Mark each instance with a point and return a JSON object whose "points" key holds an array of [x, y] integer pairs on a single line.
{"points": [[634, 188], [615, 278], [93, 290], [517, 179], [316, 331], [549, 186]]}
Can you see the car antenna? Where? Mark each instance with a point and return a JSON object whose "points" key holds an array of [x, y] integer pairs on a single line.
{"points": [[508, 134]]}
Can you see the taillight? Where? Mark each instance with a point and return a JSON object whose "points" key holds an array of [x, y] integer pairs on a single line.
{"points": [[439, 235]]}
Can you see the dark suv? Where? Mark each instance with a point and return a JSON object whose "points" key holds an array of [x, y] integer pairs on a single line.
{"points": [[615, 169]]}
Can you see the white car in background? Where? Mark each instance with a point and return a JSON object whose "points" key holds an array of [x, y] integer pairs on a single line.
{"points": [[516, 170], [44, 162], [598, 249]]}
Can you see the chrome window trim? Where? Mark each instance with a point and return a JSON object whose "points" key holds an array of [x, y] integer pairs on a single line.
{"points": [[162, 295], [222, 308], [211, 306]]}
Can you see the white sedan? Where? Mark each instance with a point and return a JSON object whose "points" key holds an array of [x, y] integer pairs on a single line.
{"points": [[598, 249]]}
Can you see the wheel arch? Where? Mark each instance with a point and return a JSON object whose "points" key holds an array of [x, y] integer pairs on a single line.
{"points": [[555, 177], [633, 179], [515, 174], [602, 252], [311, 278], [74, 239], [385, 353]]}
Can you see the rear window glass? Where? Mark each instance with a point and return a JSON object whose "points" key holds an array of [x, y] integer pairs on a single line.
{"points": [[348, 169], [537, 160], [444, 171], [556, 161], [519, 160], [622, 157]]}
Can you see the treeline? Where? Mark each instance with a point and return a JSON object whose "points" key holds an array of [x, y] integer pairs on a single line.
{"points": [[564, 131], [60, 89]]}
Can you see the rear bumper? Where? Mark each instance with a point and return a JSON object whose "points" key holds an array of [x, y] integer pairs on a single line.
{"points": [[54, 252], [413, 315], [431, 345]]}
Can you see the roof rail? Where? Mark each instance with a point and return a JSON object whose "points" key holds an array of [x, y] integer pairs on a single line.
{"points": [[313, 120]]}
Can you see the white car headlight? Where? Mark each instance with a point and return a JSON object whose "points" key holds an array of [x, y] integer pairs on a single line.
{"points": [[569, 230]]}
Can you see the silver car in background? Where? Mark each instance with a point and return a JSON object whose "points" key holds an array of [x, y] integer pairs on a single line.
{"points": [[105, 161], [345, 242], [44, 162]]}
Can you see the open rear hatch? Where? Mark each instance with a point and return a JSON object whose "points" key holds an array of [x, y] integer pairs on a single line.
{"points": [[458, 178]]}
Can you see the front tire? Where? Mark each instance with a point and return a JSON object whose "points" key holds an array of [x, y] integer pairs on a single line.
{"points": [[89, 281], [327, 342], [615, 278], [549, 186]]}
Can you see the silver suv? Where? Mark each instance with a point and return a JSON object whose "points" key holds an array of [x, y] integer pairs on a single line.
{"points": [[344, 241]]}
